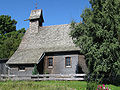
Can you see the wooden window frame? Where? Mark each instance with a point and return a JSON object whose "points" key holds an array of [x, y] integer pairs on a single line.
{"points": [[21, 68], [66, 62], [48, 62]]}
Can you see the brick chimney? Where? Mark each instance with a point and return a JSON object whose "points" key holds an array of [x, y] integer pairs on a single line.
{"points": [[36, 20]]}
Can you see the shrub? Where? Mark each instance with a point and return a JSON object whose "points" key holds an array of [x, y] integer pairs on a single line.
{"points": [[35, 71], [91, 86]]}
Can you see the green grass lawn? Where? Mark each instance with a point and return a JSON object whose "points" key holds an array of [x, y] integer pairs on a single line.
{"points": [[47, 85]]}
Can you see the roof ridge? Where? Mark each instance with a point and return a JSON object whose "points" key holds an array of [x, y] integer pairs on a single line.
{"points": [[56, 25]]}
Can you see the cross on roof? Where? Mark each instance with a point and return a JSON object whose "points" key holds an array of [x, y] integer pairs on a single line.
{"points": [[36, 5]]}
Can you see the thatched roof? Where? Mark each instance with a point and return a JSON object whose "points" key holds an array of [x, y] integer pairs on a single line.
{"points": [[48, 39]]}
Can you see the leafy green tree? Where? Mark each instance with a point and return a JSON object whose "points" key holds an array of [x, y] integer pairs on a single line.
{"points": [[6, 24], [9, 43], [10, 38], [98, 36]]}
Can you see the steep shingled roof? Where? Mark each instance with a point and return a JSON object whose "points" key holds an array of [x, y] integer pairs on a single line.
{"points": [[48, 39]]}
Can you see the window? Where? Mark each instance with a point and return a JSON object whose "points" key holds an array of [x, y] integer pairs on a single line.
{"points": [[21, 68], [50, 62], [68, 61]]}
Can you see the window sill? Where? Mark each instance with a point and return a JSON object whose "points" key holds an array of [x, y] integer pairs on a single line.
{"points": [[68, 66], [22, 70], [50, 66]]}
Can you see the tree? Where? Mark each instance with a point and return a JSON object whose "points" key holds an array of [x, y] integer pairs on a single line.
{"points": [[9, 43], [10, 38], [6, 24], [98, 36]]}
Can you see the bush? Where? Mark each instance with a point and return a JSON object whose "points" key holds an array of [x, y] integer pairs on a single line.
{"points": [[35, 71], [91, 86]]}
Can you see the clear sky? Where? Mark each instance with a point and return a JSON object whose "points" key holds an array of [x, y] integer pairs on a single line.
{"points": [[55, 12]]}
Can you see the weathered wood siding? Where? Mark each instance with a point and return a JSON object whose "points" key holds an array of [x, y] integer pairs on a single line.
{"points": [[14, 69], [82, 63], [59, 63], [3, 68], [78, 65]]}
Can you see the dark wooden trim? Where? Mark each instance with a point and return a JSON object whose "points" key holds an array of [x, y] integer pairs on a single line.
{"points": [[4, 59], [61, 53], [17, 65]]}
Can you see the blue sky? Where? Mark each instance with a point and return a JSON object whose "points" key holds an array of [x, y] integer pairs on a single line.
{"points": [[55, 12]]}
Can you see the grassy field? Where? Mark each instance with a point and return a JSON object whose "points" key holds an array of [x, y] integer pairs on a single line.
{"points": [[47, 85]]}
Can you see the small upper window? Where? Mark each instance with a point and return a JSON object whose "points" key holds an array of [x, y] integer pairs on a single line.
{"points": [[21, 68], [50, 62], [68, 61]]}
